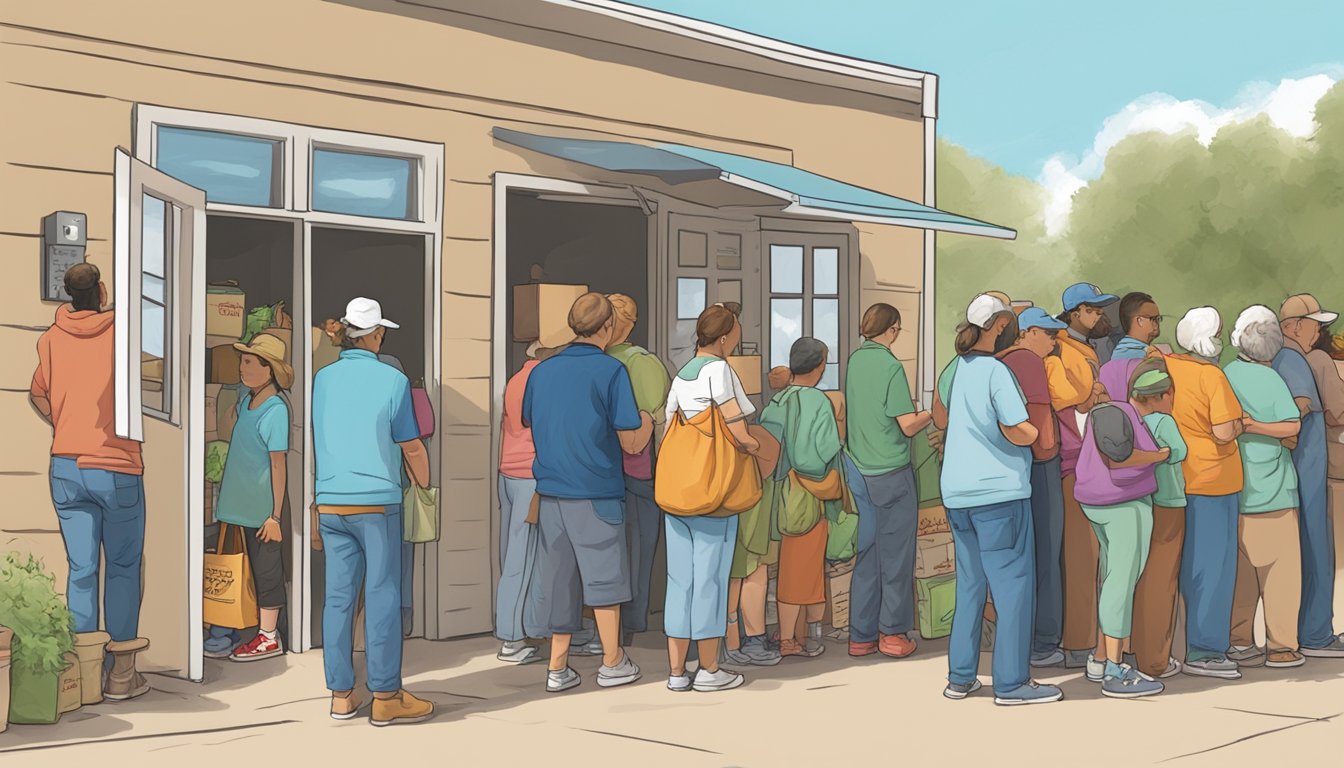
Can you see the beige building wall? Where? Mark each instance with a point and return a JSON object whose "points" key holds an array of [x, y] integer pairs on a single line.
{"points": [[75, 70]]}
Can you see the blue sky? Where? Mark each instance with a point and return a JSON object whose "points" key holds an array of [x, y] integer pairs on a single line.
{"points": [[1026, 82]]}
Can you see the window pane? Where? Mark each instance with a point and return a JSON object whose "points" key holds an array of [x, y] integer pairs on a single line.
{"points": [[690, 297], [151, 328], [242, 170], [151, 235], [362, 185], [692, 249], [831, 378], [152, 287], [786, 269], [826, 271], [825, 325], [786, 327]]}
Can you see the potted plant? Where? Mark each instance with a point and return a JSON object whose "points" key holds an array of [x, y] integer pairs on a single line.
{"points": [[43, 634]]}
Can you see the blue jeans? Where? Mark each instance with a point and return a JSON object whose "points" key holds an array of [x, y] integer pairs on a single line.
{"points": [[699, 559], [517, 557], [363, 548], [643, 527], [995, 552], [1315, 620], [101, 513], [1209, 572], [880, 599], [1047, 518]]}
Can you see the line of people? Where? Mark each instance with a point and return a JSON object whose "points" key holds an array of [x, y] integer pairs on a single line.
{"points": [[1086, 493]]}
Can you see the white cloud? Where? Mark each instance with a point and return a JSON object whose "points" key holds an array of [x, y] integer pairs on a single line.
{"points": [[1290, 105]]}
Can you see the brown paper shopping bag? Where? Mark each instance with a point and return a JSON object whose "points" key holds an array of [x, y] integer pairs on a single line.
{"points": [[230, 593]]}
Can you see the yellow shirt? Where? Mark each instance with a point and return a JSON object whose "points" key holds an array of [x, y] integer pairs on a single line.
{"points": [[1204, 398], [1073, 373]]}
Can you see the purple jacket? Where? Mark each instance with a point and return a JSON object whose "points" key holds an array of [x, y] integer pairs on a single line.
{"points": [[1100, 486], [1115, 377]]}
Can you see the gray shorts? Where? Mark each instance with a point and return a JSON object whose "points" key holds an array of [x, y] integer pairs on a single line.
{"points": [[584, 561]]}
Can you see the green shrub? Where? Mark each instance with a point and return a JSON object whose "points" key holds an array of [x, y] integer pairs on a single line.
{"points": [[30, 606]]}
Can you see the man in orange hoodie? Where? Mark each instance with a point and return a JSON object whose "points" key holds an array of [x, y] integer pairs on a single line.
{"points": [[97, 481]]}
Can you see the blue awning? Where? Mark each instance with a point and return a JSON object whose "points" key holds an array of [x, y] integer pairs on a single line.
{"points": [[803, 192]]}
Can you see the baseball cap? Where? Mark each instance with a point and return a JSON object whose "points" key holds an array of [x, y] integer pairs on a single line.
{"points": [[364, 315], [1306, 305], [1086, 293], [1035, 317], [982, 310]]}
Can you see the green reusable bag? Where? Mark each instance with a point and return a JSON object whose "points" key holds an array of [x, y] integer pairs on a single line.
{"points": [[420, 515], [936, 597]]}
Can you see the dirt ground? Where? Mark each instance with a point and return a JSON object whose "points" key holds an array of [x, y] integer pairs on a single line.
{"points": [[801, 712]]}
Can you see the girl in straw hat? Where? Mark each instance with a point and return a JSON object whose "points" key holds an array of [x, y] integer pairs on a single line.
{"points": [[253, 490]]}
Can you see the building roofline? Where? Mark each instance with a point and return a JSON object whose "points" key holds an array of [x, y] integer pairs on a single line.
{"points": [[747, 42]]}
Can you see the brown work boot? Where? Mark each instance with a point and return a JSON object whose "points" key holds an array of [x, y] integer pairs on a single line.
{"points": [[401, 709], [123, 681], [345, 707]]}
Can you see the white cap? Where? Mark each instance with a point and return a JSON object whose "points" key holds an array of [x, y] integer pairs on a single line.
{"points": [[982, 310], [364, 315]]}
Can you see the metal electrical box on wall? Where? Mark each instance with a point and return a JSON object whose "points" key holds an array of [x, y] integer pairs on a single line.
{"points": [[63, 241]]}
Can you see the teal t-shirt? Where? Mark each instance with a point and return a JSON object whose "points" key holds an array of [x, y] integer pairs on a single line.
{"points": [[1170, 477], [245, 497], [876, 393], [945, 380], [981, 467], [1270, 479]]}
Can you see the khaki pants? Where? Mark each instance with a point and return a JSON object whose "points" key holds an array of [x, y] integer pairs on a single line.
{"points": [[1155, 597], [1081, 558], [1269, 566]]}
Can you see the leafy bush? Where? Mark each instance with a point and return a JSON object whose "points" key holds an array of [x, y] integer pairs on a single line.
{"points": [[30, 606]]}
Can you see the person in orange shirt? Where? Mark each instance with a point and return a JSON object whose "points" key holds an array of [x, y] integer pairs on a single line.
{"points": [[1074, 388], [97, 483], [1210, 419]]}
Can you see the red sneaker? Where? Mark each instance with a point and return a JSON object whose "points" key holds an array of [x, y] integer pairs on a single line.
{"points": [[862, 649], [896, 646], [258, 648]]}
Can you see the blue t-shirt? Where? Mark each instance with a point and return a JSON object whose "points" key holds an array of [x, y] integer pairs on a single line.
{"points": [[362, 409], [1296, 373], [575, 403], [245, 496], [980, 466]]}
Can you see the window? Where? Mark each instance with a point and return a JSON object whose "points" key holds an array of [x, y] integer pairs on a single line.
{"points": [[363, 184], [241, 170], [157, 219], [805, 301], [690, 297]]}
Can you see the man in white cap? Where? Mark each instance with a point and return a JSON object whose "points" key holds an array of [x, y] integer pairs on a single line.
{"points": [[1302, 320], [364, 429]]}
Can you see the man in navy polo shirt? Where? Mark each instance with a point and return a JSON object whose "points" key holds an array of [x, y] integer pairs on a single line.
{"points": [[581, 408]]}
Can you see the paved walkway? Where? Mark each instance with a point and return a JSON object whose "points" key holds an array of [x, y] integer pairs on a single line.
{"points": [[830, 710]]}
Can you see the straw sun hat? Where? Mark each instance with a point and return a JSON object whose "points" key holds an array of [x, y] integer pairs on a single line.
{"points": [[272, 350]]}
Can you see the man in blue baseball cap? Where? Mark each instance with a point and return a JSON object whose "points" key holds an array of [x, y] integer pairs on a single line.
{"points": [[1037, 343], [1075, 388]]}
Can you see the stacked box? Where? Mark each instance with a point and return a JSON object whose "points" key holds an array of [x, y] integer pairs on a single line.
{"points": [[838, 579], [541, 313], [934, 555]]}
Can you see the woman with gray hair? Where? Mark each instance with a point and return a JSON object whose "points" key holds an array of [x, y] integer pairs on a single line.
{"points": [[802, 419], [1269, 563]]}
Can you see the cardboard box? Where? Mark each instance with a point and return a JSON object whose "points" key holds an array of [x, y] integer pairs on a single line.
{"points": [[936, 601], [324, 351], [225, 311], [541, 312], [838, 579], [222, 365], [748, 369], [934, 555], [219, 341], [151, 368], [933, 519], [211, 413], [226, 412]]}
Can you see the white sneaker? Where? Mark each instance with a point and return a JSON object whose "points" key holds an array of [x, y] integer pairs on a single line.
{"points": [[679, 683], [722, 680], [1173, 669], [1096, 670], [562, 681], [517, 652], [624, 673]]}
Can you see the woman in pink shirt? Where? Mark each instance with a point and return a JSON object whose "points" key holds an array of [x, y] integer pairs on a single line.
{"points": [[518, 537]]}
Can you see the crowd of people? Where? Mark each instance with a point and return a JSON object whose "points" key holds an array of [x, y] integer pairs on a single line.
{"points": [[1090, 479]]}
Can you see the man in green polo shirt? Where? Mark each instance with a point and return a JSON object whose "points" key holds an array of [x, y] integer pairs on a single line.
{"points": [[882, 418]]}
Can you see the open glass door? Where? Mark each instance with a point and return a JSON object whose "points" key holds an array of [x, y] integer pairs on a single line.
{"points": [[159, 247]]}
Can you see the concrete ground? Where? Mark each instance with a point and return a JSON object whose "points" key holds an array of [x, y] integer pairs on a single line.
{"points": [[827, 710]]}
